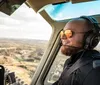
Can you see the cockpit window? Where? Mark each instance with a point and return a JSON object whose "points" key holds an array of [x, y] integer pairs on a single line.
{"points": [[23, 39], [71, 10]]}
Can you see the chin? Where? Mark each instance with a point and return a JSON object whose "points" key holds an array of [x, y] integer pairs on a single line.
{"points": [[68, 51]]}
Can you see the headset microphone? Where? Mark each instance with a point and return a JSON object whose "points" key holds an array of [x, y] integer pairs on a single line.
{"points": [[69, 45], [72, 46]]}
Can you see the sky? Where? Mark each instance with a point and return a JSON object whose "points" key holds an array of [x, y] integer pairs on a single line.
{"points": [[24, 23], [58, 12]]}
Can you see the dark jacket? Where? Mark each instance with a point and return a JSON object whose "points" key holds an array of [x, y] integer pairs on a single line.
{"points": [[88, 74]]}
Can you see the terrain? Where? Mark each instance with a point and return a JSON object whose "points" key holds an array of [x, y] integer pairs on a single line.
{"points": [[21, 56]]}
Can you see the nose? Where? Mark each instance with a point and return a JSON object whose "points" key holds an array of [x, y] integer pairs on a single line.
{"points": [[65, 41], [63, 36]]}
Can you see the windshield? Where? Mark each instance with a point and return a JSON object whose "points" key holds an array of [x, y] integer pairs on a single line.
{"points": [[24, 37], [69, 10]]}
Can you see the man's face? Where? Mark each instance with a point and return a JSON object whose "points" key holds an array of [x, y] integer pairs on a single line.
{"points": [[73, 42]]}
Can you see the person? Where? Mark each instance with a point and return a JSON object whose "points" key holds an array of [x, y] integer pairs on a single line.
{"points": [[79, 38]]}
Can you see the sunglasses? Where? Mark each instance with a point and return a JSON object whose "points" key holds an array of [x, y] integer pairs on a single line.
{"points": [[70, 33]]}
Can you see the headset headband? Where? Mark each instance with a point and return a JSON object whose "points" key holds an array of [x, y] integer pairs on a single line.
{"points": [[93, 21]]}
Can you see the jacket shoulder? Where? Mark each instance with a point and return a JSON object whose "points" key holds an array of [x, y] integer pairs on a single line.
{"points": [[96, 60]]}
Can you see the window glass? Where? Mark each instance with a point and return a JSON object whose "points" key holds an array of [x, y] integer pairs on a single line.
{"points": [[56, 69], [23, 39], [71, 10]]}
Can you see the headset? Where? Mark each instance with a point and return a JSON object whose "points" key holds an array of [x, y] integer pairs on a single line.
{"points": [[91, 39]]}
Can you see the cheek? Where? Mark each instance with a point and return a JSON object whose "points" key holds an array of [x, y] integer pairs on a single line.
{"points": [[77, 40]]}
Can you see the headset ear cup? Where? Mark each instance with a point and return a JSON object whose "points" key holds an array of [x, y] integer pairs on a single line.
{"points": [[86, 40], [94, 41], [91, 41]]}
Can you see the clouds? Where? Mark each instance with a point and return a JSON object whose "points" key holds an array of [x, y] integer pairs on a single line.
{"points": [[24, 23], [8, 21]]}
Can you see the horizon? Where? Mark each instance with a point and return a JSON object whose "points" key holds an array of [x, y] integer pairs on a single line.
{"points": [[22, 39]]}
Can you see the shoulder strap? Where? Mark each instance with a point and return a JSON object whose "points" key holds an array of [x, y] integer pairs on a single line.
{"points": [[79, 63], [96, 61], [96, 56]]}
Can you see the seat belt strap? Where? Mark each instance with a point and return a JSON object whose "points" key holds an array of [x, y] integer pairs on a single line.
{"points": [[79, 63]]}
